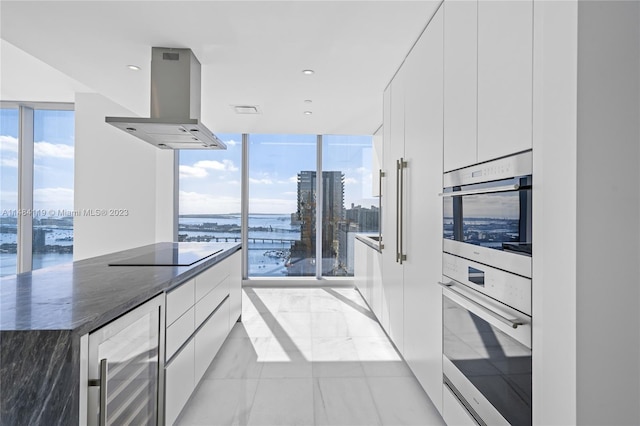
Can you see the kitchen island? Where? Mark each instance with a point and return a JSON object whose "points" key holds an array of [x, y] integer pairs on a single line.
{"points": [[44, 313]]}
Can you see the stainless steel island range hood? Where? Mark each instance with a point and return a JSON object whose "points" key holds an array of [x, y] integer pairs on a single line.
{"points": [[175, 105]]}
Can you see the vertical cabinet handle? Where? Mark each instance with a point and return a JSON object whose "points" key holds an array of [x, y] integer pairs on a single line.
{"points": [[400, 166], [102, 383], [397, 211], [380, 176]]}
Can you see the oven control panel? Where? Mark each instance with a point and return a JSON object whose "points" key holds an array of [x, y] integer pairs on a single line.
{"points": [[510, 289], [502, 168]]}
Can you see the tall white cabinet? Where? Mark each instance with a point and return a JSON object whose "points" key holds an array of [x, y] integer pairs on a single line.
{"points": [[392, 219], [586, 358], [411, 298], [423, 208], [565, 84]]}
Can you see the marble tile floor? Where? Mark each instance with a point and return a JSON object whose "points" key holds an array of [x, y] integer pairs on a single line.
{"points": [[308, 356]]}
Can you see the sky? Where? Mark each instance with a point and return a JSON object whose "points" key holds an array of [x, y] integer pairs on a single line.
{"points": [[209, 179], [53, 159]]}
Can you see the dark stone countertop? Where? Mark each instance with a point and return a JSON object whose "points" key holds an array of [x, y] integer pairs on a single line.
{"points": [[44, 313], [82, 296]]}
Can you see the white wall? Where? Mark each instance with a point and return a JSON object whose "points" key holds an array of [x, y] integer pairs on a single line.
{"points": [[554, 212], [114, 170], [608, 290], [586, 295], [166, 198]]}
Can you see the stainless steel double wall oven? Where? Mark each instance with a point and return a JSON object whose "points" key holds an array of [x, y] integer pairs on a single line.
{"points": [[486, 264]]}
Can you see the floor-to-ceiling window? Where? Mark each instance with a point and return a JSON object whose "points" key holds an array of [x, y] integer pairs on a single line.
{"points": [[282, 228], [287, 223], [37, 185], [9, 188], [348, 203], [52, 187], [210, 190]]}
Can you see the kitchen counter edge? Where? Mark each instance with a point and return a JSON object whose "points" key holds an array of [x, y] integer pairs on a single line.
{"points": [[68, 297]]}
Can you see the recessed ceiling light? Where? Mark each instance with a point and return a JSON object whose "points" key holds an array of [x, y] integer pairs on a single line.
{"points": [[307, 101], [308, 72], [133, 67], [308, 113]]}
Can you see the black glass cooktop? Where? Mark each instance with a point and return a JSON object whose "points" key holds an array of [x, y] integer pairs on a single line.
{"points": [[176, 254]]}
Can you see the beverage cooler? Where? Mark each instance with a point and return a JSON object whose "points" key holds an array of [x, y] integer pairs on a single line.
{"points": [[125, 368]]}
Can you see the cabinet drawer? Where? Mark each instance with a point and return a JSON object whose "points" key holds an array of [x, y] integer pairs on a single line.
{"points": [[209, 279], [180, 300], [210, 302], [180, 331], [179, 382], [209, 339]]}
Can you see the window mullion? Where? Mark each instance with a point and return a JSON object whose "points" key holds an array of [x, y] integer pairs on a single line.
{"points": [[244, 205], [319, 207], [25, 190]]}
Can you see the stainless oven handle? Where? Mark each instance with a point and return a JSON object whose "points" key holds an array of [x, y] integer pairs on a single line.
{"points": [[513, 323], [490, 190], [380, 176]]}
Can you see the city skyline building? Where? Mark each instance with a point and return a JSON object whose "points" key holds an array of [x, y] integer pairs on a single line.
{"points": [[303, 255]]}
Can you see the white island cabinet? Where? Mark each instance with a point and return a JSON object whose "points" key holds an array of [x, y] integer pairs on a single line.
{"points": [[199, 315]]}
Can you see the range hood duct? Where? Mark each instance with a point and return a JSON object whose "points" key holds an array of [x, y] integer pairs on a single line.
{"points": [[175, 105]]}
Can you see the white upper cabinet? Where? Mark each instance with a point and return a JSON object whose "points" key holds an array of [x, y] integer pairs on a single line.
{"points": [[505, 77], [488, 78], [460, 83]]}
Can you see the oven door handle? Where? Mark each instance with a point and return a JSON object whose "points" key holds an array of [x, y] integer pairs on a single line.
{"points": [[381, 174], [513, 323], [490, 190]]}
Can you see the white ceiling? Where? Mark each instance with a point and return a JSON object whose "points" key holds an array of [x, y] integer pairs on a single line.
{"points": [[252, 53]]}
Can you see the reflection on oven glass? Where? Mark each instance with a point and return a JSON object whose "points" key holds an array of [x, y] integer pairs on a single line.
{"points": [[500, 234], [485, 231], [496, 364], [497, 220]]}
